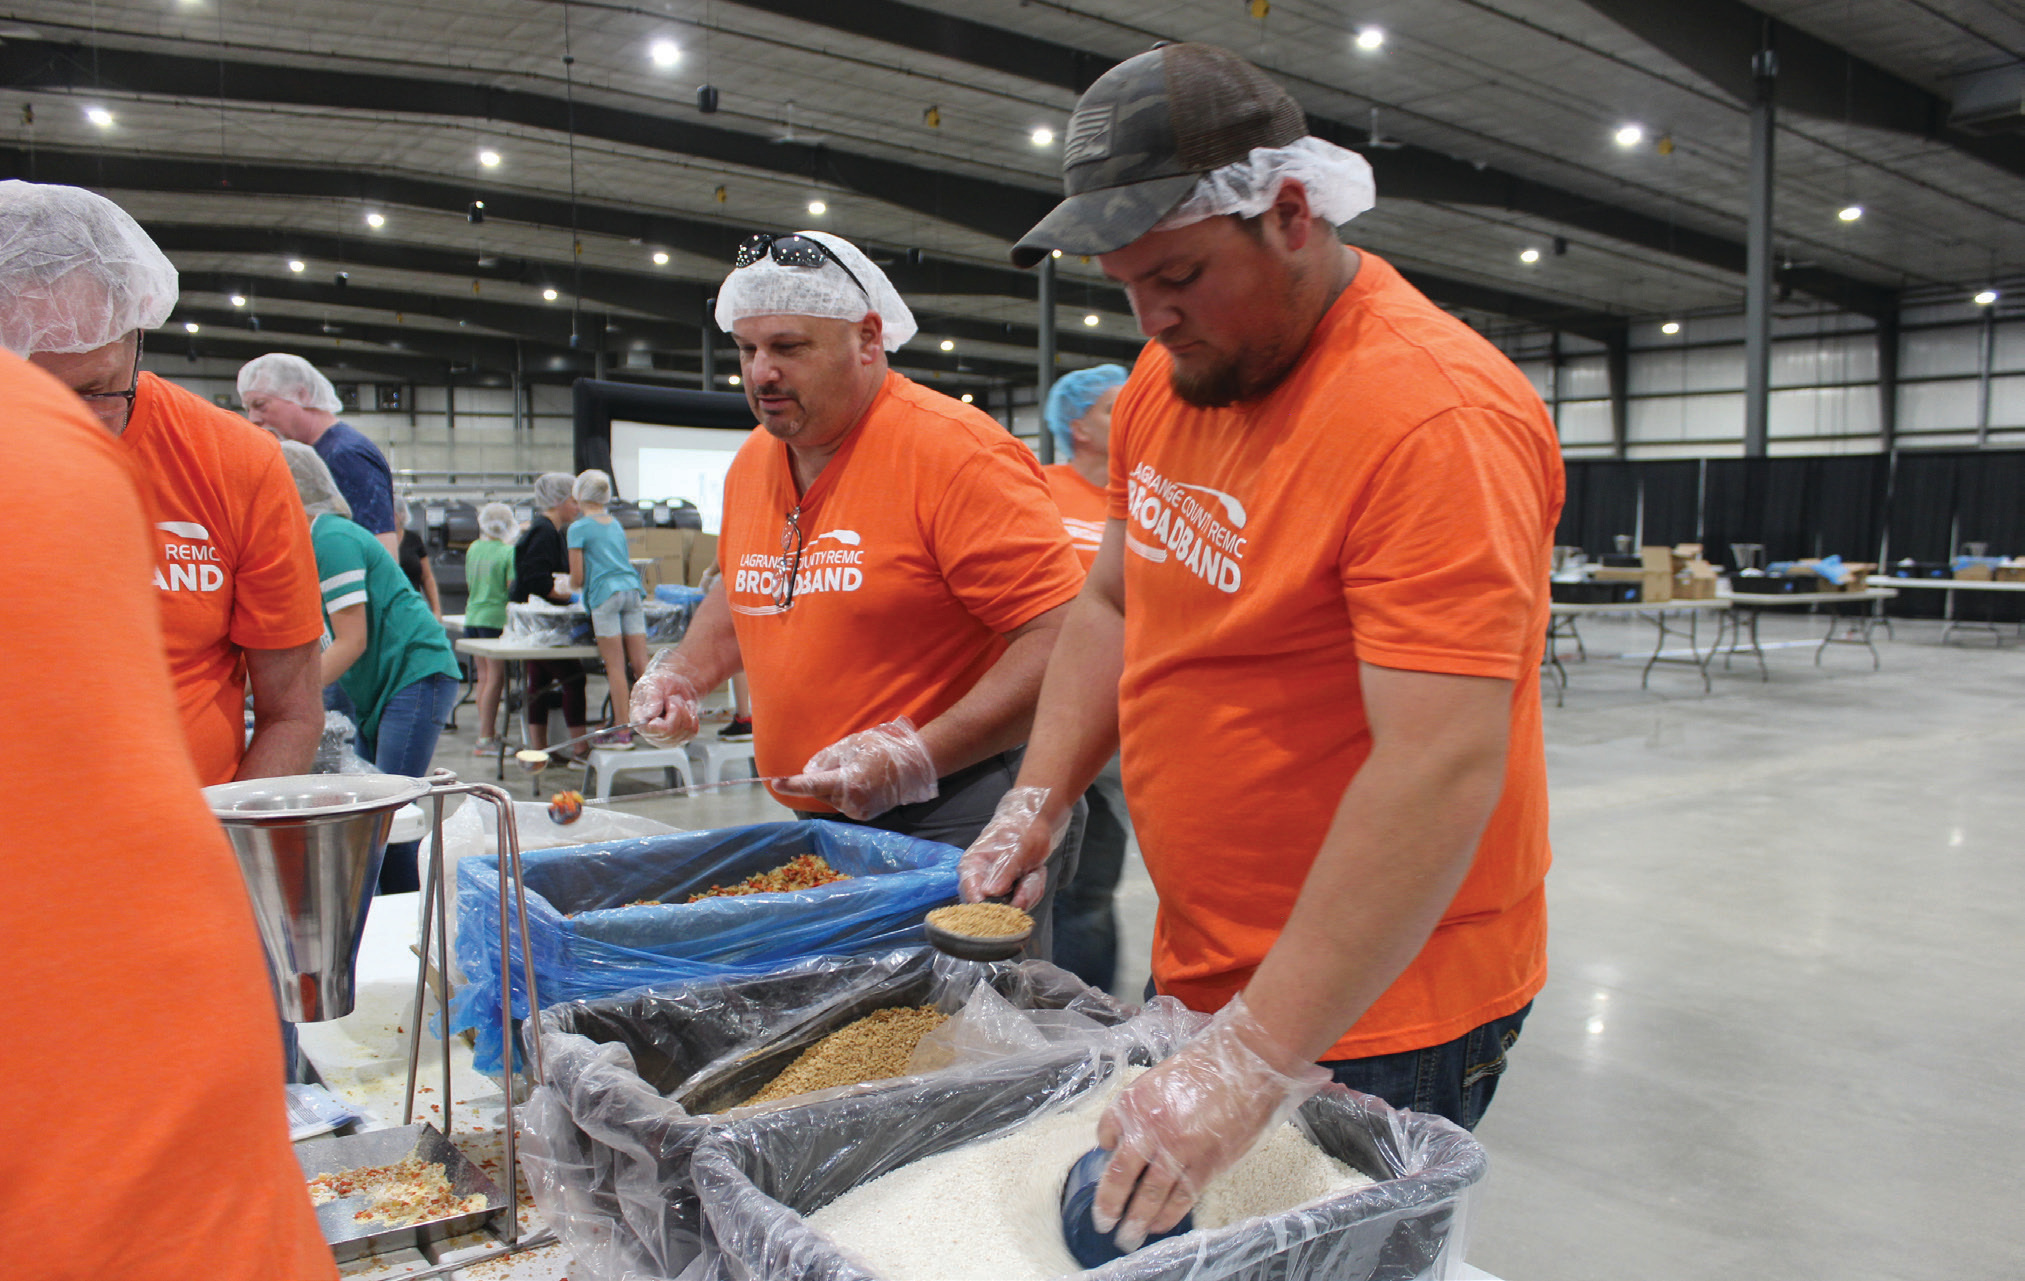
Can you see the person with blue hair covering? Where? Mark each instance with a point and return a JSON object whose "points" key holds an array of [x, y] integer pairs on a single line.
{"points": [[1078, 412]]}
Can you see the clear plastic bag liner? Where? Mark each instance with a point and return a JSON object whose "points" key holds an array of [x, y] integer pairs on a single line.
{"points": [[540, 624], [633, 1081], [758, 1177], [607, 917]]}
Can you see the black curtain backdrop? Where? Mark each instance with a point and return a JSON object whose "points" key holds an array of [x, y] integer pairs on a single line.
{"points": [[1843, 505]]}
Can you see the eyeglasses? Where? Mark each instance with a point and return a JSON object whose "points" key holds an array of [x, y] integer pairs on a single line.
{"points": [[796, 250], [117, 406], [790, 561]]}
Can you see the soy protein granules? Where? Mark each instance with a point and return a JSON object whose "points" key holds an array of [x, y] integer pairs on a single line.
{"points": [[803, 872], [981, 920], [871, 1049], [990, 1211]]}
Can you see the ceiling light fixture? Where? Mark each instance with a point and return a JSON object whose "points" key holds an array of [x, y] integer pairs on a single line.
{"points": [[1629, 135], [660, 259], [1529, 255], [99, 116], [1055, 254], [548, 295], [1849, 213], [190, 326], [818, 208], [1986, 297], [376, 220], [296, 264], [238, 300], [665, 53], [966, 398], [1670, 328], [488, 157], [1370, 38], [1091, 320], [733, 380], [949, 344], [1042, 137]]}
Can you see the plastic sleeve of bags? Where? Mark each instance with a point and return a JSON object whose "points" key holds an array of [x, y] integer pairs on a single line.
{"points": [[757, 1177], [607, 917], [633, 1081]]}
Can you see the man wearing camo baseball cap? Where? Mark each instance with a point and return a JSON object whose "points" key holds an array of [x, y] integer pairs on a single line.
{"points": [[1320, 605]]}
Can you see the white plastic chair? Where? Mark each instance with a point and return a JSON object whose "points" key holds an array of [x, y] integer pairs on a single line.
{"points": [[606, 764]]}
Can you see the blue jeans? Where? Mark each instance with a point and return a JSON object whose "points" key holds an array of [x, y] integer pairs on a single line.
{"points": [[405, 743], [1455, 1080]]}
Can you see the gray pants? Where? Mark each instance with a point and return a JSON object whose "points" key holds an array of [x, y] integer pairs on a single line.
{"points": [[957, 815]]}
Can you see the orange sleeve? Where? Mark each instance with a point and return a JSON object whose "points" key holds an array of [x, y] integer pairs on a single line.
{"points": [[998, 539], [276, 604], [1438, 561]]}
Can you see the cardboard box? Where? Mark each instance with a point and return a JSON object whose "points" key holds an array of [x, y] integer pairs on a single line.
{"points": [[2008, 574], [1656, 560], [656, 543], [650, 576], [1975, 574], [1694, 589], [698, 557]]}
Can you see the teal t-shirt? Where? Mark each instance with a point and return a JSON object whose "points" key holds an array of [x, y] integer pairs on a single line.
{"points": [[608, 565], [404, 642], [488, 570]]}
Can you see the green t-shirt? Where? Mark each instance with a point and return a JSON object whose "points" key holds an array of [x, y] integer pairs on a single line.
{"points": [[488, 569], [404, 642]]}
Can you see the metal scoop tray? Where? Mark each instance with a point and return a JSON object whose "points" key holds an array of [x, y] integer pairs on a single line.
{"points": [[350, 1238]]}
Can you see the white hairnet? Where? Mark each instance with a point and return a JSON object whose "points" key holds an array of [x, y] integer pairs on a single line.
{"points": [[496, 520], [290, 378], [553, 488], [766, 288], [76, 271], [1337, 180], [593, 486], [313, 481]]}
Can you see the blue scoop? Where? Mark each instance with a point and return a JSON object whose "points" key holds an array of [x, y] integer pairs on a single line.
{"points": [[1079, 1197]]}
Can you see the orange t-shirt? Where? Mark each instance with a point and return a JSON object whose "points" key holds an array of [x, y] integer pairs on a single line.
{"points": [[234, 570], [149, 1141], [928, 537], [1084, 509], [1392, 501]]}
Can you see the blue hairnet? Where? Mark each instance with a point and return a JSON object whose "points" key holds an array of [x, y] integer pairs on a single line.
{"points": [[1071, 398]]}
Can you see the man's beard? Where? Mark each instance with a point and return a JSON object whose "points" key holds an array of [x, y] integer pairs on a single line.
{"points": [[1245, 375]]}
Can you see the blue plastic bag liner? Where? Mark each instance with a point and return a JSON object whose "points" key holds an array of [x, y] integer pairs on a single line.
{"points": [[1830, 568], [632, 1082], [1961, 563], [608, 917], [758, 1177], [676, 594]]}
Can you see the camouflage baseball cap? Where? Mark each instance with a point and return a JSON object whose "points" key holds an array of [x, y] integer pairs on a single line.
{"points": [[1142, 135]]}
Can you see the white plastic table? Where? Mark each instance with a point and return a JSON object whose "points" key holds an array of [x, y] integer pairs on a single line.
{"points": [[1746, 607], [1951, 586], [1656, 611]]}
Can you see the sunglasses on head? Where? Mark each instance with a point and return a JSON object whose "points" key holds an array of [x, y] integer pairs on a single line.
{"points": [[795, 250]]}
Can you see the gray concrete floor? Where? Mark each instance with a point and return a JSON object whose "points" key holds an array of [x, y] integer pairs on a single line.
{"points": [[1781, 1034]]}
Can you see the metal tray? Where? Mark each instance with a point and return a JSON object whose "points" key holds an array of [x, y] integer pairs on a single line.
{"points": [[348, 1238]]}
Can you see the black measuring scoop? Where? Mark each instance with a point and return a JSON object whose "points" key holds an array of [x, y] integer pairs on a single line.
{"points": [[1079, 1200]]}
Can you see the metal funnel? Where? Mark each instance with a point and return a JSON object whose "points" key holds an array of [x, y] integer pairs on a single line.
{"points": [[309, 847]]}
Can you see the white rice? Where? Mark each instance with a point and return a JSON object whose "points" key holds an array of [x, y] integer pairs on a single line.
{"points": [[990, 1211]]}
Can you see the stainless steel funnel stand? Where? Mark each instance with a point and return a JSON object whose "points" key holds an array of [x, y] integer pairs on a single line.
{"points": [[309, 847], [436, 926]]}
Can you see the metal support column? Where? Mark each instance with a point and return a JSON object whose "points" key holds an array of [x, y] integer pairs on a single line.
{"points": [[1554, 364], [1887, 381], [1617, 363], [1758, 260], [1985, 365], [450, 397], [710, 344], [1046, 356]]}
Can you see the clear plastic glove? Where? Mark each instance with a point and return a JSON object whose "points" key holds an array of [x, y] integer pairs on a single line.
{"points": [[1010, 855], [869, 772], [1191, 1118], [667, 701]]}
